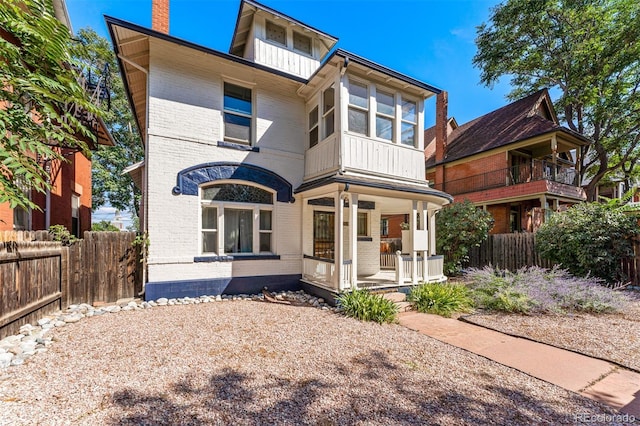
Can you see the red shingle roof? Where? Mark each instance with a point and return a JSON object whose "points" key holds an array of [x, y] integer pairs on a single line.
{"points": [[512, 123]]}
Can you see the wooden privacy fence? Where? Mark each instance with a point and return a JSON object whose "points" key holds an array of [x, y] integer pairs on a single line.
{"points": [[515, 251], [40, 277], [507, 251]]}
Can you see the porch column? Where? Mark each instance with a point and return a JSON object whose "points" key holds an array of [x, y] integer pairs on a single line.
{"points": [[338, 242], [425, 253], [353, 238], [432, 232], [414, 253]]}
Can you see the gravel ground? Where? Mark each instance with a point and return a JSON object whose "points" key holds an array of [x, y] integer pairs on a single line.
{"points": [[250, 363], [615, 337]]}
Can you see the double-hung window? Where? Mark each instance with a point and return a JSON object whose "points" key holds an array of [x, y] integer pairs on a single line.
{"points": [[358, 108], [236, 219], [238, 114], [385, 114], [409, 122], [328, 111], [363, 224], [313, 127]]}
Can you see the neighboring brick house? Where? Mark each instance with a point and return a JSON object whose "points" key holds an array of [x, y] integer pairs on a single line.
{"points": [[517, 162], [68, 202], [271, 165]]}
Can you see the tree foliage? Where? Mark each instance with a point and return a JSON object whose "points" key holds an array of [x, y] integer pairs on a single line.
{"points": [[589, 239], [38, 91], [587, 51], [110, 186], [460, 226]]}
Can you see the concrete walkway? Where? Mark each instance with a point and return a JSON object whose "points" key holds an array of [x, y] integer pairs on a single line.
{"points": [[593, 378]]}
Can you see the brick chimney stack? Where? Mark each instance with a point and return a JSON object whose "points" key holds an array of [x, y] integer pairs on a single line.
{"points": [[160, 15], [442, 104]]}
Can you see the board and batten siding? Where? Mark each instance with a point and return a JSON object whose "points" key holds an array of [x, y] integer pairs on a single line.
{"points": [[185, 125], [284, 59]]}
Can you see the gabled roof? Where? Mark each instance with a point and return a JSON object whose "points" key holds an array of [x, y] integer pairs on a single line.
{"points": [[246, 13], [523, 119]]}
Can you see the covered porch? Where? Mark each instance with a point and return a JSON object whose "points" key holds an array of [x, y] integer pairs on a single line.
{"points": [[341, 233]]}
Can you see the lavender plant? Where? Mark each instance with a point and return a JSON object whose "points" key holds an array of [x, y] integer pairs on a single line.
{"points": [[538, 290]]}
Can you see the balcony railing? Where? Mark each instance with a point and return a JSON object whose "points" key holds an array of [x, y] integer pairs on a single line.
{"points": [[523, 173]]}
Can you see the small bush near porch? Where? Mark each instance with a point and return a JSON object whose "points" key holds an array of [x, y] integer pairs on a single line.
{"points": [[366, 306], [441, 299]]}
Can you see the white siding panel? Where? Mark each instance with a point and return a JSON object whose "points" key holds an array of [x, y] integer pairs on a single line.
{"points": [[283, 59], [372, 156], [322, 158]]}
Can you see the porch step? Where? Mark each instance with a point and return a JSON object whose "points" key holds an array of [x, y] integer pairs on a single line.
{"points": [[404, 306], [395, 296]]}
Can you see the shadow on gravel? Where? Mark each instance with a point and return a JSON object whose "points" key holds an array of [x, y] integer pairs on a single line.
{"points": [[385, 392]]}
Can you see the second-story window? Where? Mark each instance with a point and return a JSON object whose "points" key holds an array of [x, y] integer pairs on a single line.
{"points": [[313, 127], [386, 110], [409, 122], [238, 114], [328, 111], [276, 33], [358, 108], [302, 43]]}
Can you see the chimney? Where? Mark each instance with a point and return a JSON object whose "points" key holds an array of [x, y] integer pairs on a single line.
{"points": [[160, 15], [442, 103]]}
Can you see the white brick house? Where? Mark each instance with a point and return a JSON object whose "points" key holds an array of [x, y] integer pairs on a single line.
{"points": [[271, 165]]}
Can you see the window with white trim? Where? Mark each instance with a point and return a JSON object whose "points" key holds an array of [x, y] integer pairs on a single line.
{"points": [[385, 114], [276, 33], [75, 216], [358, 108], [236, 219], [313, 127], [301, 43], [238, 114], [363, 224], [328, 111], [409, 122]]}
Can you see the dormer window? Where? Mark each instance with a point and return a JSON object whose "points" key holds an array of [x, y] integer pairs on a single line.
{"points": [[302, 43], [276, 33]]}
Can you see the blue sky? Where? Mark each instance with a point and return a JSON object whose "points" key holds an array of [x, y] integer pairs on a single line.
{"points": [[431, 40]]}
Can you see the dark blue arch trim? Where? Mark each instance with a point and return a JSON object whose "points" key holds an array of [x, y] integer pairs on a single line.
{"points": [[190, 179]]}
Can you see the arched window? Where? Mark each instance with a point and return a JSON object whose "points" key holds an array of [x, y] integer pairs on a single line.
{"points": [[236, 219]]}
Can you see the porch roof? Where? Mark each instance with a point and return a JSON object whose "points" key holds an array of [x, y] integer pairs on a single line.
{"points": [[352, 182]]}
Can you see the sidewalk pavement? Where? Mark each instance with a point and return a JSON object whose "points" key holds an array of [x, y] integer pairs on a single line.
{"points": [[596, 379]]}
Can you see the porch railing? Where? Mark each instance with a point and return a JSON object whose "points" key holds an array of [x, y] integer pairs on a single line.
{"points": [[387, 261], [323, 271], [534, 171], [404, 269]]}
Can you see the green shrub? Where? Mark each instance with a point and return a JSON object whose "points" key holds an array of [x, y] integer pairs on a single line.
{"points": [[365, 306], [460, 226], [104, 225], [62, 234], [441, 299], [589, 239]]}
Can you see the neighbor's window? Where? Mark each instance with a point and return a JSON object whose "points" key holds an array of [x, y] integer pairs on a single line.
{"points": [[313, 127], [75, 216], [358, 108], [384, 227], [245, 223], [21, 216], [238, 114], [363, 224], [328, 111], [409, 122], [302, 43], [276, 33], [386, 111]]}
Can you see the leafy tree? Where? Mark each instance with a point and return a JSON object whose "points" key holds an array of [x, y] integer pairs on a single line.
{"points": [[104, 225], [588, 51], [460, 226], [110, 186], [589, 239], [39, 93]]}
